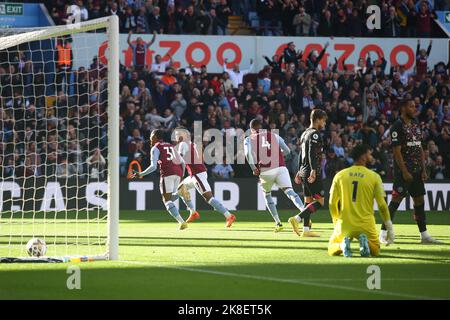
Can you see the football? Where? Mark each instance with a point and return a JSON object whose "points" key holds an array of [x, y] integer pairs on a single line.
{"points": [[36, 247]]}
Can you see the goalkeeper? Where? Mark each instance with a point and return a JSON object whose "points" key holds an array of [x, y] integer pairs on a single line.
{"points": [[351, 206]]}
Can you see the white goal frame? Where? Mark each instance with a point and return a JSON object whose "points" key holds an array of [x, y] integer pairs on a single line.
{"points": [[113, 138]]}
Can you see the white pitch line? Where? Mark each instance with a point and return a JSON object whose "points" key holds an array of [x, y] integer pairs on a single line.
{"points": [[292, 281]]}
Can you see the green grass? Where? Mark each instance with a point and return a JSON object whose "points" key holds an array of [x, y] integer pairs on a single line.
{"points": [[248, 261]]}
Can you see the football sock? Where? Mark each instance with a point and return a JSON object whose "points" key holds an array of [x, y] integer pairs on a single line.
{"points": [[309, 209], [219, 207], [306, 220], [291, 194], [393, 206], [189, 205], [271, 207], [419, 217], [170, 206], [424, 235]]}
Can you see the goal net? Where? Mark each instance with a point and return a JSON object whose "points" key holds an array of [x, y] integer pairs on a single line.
{"points": [[59, 137]]}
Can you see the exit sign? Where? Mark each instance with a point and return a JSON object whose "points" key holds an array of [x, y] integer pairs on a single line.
{"points": [[11, 9]]}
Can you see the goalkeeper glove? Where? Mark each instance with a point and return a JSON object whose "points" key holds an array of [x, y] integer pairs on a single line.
{"points": [[390, 232]]}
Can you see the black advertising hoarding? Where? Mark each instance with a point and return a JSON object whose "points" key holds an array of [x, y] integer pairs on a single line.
{"points": [[40, 194]]}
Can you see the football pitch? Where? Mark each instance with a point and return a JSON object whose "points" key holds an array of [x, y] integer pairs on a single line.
{"points": [[248, 261]]}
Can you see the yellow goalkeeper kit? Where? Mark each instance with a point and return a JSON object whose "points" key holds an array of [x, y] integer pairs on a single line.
{"points": [[351, 206]]}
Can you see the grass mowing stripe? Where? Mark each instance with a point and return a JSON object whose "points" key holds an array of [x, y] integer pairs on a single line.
{"points": [[292, 281]]}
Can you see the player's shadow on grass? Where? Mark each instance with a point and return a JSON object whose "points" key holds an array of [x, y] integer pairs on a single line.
{"points": [[401, 254], [432, 255], [415, 258], [418, 243], [270, 230], [295, 239], [418, 237]]}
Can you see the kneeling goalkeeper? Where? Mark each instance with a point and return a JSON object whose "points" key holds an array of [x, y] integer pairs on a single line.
{"points": [[351, 206]]}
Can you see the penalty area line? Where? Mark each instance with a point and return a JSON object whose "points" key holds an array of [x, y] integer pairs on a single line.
{"points": [[281, 280]]}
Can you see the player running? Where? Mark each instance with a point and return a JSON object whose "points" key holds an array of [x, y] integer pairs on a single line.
{"points": [[409, 168], [351, 207], [309, 173], [171, 167], [198, 178], [264, 152]]}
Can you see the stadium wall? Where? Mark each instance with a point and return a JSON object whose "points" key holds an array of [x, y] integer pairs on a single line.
{"points": [[40, 194], [212, 50]]}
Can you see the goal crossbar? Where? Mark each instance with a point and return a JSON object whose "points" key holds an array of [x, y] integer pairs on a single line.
{"points": [[23, 35]]}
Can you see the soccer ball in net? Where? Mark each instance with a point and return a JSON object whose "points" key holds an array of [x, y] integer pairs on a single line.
{"points": [[36, 247]]}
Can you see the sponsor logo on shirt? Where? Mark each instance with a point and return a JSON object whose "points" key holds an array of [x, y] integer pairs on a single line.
{"points": [[413, 143]]}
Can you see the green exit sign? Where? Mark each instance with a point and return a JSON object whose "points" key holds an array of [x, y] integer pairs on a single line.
{"points": [[11, 9]]}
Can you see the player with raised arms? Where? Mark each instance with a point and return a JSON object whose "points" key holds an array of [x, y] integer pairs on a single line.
{"points": [[409, 168], [265, 152], [351, 207], [309, 173], [171, 167], [198, 178]]}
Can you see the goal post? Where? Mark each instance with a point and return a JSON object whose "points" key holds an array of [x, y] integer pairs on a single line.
{"points": [[59, 140], [113, 135]]}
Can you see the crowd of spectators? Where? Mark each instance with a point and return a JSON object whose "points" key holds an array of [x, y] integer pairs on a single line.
{"points": [[344, 18], [160, 16], [67, 136], [44, 136], [361, 105], [340, 18]]}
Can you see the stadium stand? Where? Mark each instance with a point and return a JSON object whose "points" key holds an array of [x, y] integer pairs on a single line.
{"points": [[340, 18]]}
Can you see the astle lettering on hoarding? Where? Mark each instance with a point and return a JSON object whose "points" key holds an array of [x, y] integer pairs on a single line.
{"points": [[11, 9]]}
